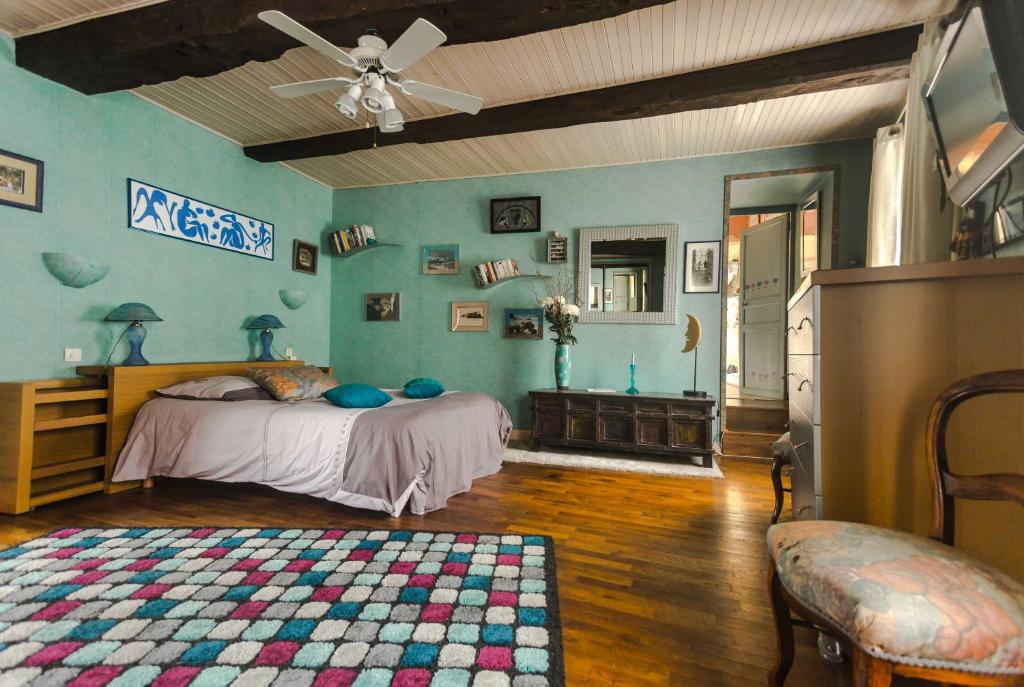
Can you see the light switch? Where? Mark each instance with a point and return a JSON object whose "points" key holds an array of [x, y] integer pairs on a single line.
{"points": [[72, 355], [289, 353]]}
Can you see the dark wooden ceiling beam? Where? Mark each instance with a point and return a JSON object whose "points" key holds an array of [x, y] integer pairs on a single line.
{"points": [[861, 61], [177, 38]]}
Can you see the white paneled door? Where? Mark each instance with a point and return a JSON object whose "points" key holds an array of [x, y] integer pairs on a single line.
{"points": [[763, 308]]}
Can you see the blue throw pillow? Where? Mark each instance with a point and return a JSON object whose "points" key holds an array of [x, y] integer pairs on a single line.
{"points": [[423, 387], [357, 396]]}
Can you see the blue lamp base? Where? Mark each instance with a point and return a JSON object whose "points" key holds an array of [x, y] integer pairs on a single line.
{"points": [[266, 341], [135, 335]]}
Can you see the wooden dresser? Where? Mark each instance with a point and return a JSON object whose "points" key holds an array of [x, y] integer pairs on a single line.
{"points": [[663, 424], [869, 350]]}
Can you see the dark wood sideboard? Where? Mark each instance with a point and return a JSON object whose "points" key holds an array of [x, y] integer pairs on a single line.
{"points": [[663, 424]]}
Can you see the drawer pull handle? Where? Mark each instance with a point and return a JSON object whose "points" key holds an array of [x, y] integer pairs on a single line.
{"points": [[801, 445], [801, 511], [789, 374], [800, 326], [806, 381]]}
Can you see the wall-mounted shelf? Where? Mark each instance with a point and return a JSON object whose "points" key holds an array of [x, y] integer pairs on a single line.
{"points": [[361, 249], [508, 279]]}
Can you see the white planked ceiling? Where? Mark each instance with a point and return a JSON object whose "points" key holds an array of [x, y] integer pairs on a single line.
{"points": [[22, 17], [668, 39], [830, 116]]}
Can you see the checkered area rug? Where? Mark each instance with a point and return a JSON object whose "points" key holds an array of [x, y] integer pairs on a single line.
{"points": [[215, 607]]}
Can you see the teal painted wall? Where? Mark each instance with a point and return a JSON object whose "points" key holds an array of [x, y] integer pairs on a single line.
{"points": [[90, 145], [688, 193]]}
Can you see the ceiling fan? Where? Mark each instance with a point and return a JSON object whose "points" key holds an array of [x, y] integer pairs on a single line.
{"points": [[376, 66]]}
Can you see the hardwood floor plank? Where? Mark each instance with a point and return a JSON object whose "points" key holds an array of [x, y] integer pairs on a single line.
{"points": [[661, 579]]}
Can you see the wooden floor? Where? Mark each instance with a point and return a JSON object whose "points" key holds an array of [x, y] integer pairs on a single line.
{"points": [[662, 579]]}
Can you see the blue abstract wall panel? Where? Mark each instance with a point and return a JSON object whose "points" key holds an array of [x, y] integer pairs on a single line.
{"points": [[158, 211]]}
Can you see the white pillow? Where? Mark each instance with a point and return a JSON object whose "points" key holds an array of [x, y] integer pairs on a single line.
{"points": [[225, 388]]}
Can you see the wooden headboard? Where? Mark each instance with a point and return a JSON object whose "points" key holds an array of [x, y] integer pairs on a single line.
{"points": [[132, 385]]}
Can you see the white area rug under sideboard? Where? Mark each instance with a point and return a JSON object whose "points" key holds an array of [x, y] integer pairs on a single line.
{"points": [[609, 460]]}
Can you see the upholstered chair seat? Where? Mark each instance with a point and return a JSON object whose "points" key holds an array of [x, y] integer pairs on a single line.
{"points": [[903, 598]]}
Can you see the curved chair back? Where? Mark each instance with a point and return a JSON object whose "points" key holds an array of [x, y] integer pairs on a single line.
{"points": [[947, 486]]}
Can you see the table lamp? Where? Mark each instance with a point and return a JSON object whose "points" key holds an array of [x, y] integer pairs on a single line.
{"points": [[266, 323], [135, 334], [692, 340]]}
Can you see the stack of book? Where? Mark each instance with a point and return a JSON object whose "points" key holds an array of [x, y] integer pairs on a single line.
{"points": [[357, 236], [494, 271]]}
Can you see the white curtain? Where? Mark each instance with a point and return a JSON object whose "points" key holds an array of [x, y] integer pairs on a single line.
{"points": [[926, 223], [885, 203]]}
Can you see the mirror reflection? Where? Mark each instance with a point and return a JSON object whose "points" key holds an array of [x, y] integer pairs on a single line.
{"points": [[627, 275]]}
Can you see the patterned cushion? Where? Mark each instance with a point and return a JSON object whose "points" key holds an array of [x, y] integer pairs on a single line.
{"points": [[292, 383], [905, 598]]}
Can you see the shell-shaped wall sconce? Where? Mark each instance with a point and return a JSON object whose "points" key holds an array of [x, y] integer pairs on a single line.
{"points": [[75, 271], [293, 298]]}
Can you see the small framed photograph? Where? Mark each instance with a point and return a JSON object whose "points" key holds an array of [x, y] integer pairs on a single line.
{"points": [[304, 256], [515, 215], [383, 307], [609, 296], [470, 316], [702, 266], [21, 182], [524, 323], [441, 259]]}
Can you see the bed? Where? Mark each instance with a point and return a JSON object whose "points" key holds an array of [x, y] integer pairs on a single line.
{"points": [[413, 454]]}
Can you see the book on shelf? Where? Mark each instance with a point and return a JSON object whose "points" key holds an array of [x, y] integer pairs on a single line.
{"points": [[492, 271], [356, 236]]}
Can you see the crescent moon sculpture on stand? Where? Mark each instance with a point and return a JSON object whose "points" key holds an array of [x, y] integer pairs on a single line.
{"points": [[693, 332]]}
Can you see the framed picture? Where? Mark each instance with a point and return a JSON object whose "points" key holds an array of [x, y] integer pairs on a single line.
{"points": [[609, 296], [165, 213], [807, 220], [595, 296], [702, 266], [441, 259], [21, 182], [304, 256], [383, 307], [470, 316], [515, 215], [524, 323]]}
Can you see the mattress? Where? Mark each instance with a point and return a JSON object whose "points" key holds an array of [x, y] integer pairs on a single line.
{"points": [[411, 452]]}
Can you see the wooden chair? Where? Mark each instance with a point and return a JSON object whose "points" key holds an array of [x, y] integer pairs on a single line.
{"points": [[781, 452], [901, 604]]}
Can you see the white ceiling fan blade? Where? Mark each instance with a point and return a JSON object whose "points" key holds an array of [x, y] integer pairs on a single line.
{"points": [[296, 90], [419, 39], [462, 102], [283, 22]]}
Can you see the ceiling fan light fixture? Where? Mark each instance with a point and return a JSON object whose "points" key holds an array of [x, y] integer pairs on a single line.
{"points": [[373, 96], [348, 104], [391, 120]]}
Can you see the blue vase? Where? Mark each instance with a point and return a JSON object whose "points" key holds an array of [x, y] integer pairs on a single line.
{"points": [[135, 335], [563, 366]]}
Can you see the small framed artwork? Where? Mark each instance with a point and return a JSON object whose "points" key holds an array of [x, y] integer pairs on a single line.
{"points": [[810, 210], [609, 296], [702, 266], [524, 323], [304, 257], [470, 316], [21, 182], [383, 307], [515, 215], [441, 259]]}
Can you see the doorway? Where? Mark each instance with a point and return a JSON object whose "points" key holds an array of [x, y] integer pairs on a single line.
{"points": [[778, 227]]}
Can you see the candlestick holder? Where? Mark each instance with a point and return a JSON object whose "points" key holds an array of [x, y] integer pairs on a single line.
{"points": [[632, 380]]}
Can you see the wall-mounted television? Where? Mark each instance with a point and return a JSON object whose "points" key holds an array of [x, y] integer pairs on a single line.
{"points": [[976, 99]]}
